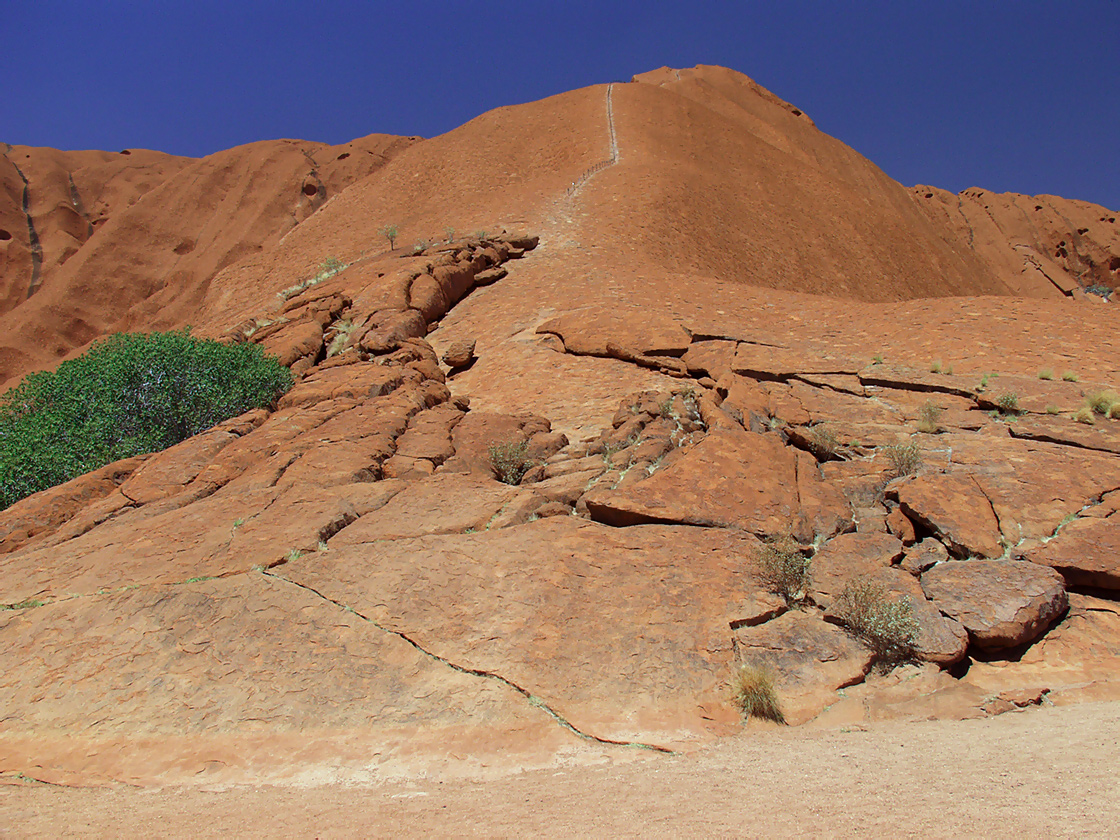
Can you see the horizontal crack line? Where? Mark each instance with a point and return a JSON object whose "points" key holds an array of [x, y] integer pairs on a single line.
{"points": [[475, 672]]}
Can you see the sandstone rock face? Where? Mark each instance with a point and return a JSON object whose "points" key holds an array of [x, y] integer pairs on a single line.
{"points": [[923, 555], [339, 588], [1086, 552], [1002, 603], [650, 607]]}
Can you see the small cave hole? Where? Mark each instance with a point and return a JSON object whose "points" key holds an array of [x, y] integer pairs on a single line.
{"points": [[796, 113], [125, 152], [1082, 231], [4, 236], [1038, 207], [343, 156], [1113, 264], [929, 195], [310, 189]]}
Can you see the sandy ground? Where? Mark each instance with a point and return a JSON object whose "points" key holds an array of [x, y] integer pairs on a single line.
{"points": [[1044, 772]]}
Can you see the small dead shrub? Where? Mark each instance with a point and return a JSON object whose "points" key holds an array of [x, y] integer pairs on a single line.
{"points": [[1008, 403], [753, 693], [887, 626], [1114, 412], [784, 569], [928, 416], [822, 443], [904, 458], [510, 460], [1069, 376]]}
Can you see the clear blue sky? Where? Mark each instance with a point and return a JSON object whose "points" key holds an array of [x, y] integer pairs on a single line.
{"points": [[1010, 96]]}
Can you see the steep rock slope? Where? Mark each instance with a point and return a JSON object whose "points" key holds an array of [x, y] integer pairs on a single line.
{"points": [[152, 234], [343, 589]]}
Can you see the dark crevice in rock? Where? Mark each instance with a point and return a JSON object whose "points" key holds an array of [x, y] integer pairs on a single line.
{"points": [[474, 672], [32, 235], [1044, 437]]}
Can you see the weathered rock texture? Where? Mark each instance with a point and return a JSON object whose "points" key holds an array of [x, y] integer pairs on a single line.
{"points": [[513, 510]]}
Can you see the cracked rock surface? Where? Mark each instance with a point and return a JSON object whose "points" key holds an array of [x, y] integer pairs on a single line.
{"points": [[515, 509]]}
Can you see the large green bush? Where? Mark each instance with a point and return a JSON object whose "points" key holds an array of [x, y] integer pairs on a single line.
{"points": [[129, 394]]}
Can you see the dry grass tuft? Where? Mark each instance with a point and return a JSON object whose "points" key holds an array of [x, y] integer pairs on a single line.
{"points": [[1008, 403], [1101, 402], [928, 416], [753, 692], [904, 458], [1084, 415]]}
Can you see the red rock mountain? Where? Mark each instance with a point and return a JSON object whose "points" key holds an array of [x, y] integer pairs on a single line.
{"points": [[682, 324]]}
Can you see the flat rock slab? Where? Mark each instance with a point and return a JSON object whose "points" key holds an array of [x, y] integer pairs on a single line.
{"points": [[230, 531], [1002, 603], [811, 659], [955, 509], [624, 632], [179, 673], [440, 504], [1103, 435], [1086, 552], [619, 332], [730, 479], [1034, 486]]}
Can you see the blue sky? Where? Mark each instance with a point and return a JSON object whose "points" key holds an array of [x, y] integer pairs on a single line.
{"points": [[1010, 96]]}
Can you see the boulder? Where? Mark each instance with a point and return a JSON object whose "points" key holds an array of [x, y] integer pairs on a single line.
{"points": [[1001, 603], [459, 354]]}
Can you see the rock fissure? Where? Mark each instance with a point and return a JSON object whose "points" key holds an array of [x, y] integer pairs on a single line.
{"points": [[32, 234], [533, 700]]}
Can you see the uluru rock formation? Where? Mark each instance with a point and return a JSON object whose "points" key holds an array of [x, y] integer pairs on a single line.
{"points": [[677, 324]]}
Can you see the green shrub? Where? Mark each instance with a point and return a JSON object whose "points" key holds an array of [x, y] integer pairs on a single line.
{"points": [[510, 460], [1069, 376], [1008, 403], [888, 627], [1046, 374], [753, 692], [784, 569], [128, 395]]}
